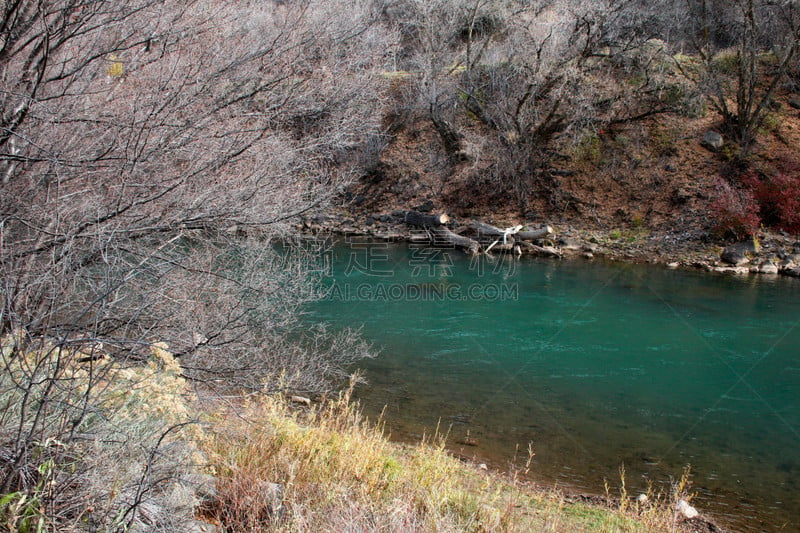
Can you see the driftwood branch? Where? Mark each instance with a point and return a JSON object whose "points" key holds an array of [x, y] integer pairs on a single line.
{"points": [[535, 235], [490, 237]]}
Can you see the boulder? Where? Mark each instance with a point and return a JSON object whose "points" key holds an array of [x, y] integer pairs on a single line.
{"points": [[739, 254], [734, 256], [768, 267], [686, 510], [794, 103], [713, 141], [793, 272]]}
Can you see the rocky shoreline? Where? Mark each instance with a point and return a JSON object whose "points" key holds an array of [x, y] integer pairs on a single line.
{"points": [[769, 254]]}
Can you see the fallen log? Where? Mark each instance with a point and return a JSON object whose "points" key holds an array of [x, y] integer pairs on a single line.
{"points": [[440, 235], [530, 248], [421, 220], [535, 235], [494, 238], [487, 230]]}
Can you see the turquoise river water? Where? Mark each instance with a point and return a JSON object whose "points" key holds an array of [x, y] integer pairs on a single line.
{"points": [[598, 365]]}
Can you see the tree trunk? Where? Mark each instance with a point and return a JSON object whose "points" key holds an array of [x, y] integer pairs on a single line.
{"points": [[421, 220], [440, 236], [488, 230], [535, 235]]}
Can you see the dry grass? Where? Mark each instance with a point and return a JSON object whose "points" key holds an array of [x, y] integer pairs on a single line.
{"points": [[337, 472]]}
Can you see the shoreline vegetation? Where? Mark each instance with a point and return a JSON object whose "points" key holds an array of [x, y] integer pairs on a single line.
{"points": [[174, 460]]}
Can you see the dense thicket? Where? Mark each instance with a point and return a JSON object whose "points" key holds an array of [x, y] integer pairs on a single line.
{"points": [[138, 136]]}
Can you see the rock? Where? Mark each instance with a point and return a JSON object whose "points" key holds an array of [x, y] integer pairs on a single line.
{"points": [[786, 264], [712, 141], [568, 245], [680, 196], [739, 253], [794, 103], [734, 257], [425, 207], [272, 496], [301, 400], [731, 269], [670, 168], [589, 248], [793, 272], [369, 221], [642, 498], [204, 487], [768, 267], [674, 264], [588, 255], [686, 510]]}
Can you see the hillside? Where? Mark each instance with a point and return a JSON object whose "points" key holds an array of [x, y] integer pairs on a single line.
{"points": [[648, 190]]}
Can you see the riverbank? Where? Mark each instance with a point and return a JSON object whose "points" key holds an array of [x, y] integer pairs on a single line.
{"points": [[769, 253], [186, 461], [326, 468]]}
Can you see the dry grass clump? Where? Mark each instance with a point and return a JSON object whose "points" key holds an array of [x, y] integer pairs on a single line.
{"points": [[325, 468]]}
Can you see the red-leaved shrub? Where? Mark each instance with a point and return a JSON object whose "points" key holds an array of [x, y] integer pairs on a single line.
{"points": [[735, 212], [778, 199]]}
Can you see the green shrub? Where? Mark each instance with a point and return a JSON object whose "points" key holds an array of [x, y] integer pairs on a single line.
{"points": [[589, 148], [726, 62]]}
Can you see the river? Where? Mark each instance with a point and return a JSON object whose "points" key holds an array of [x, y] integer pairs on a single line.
{"points": [[597, 365]]}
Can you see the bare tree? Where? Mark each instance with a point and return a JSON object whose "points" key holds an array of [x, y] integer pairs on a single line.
{"points": [[129, 125], [555, 68], [745, 48], [138, 141]]}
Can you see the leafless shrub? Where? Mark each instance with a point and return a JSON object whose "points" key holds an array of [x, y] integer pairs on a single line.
{"points": [[138, 140]]}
